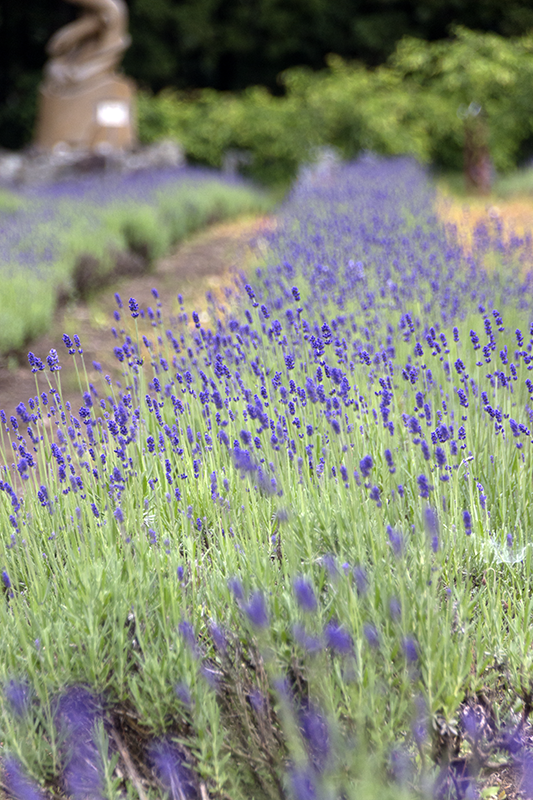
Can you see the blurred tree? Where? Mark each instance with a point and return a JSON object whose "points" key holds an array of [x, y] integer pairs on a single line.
{"points": [[231, 44], [25, 29]]}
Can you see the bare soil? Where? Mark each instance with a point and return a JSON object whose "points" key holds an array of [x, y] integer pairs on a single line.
{"points": [[205, 262]]}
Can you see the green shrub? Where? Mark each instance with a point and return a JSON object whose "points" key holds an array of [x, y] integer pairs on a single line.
{"points": [[409, 106]]}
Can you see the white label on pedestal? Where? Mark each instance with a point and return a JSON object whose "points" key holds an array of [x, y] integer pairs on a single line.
{"points": [[113, 114]]}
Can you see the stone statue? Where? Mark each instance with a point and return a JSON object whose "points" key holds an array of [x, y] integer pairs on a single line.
{"points": [[89, 47], [83, 102]]}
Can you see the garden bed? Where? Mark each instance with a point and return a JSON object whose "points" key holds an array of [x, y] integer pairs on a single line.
{"points": [[289, 555], [64, 241]]}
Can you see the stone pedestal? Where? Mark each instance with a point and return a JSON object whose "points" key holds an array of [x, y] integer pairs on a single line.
{"points": [[90, 117]]}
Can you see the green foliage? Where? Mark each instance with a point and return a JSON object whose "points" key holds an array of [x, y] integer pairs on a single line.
{"points": [[209, 124], [230, 45], [116, 582], [81, 261], [485, 69], [411, 105]]}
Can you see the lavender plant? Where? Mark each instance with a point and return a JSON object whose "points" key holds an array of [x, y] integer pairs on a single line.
{"points": [[289, 553], [52, 234]]}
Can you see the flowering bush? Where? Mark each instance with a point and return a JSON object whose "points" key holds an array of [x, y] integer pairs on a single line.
{"points": [[288, 556]]}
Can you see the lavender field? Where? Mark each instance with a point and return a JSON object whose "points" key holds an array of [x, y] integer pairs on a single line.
{"points": [[62, 241], [289, 555]]}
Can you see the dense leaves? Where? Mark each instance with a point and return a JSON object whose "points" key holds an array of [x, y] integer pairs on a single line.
{"points": [[416, 104], [229, 45]]}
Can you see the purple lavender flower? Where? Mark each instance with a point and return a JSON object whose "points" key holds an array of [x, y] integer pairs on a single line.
{"points": [[257, 701], [337, 638], [18, 785], [424, 487], [187, 632], [134, 307], [183, 694], [256, 610], [526, 784], [365, 465], [35, 363], [305, 596], [250, 292], [330, 563], [440, 457], [67, 341], [303, 784], [371, 635], [219, 638], [53, 361], [410, 649], [235, 587], [315, 733], [390, 462], [171, 766], [375, 495], [243, 460], [289, 361], [18, 695], [419, 725], [396, 541], [432, 526], [395, 608], [77, 714], [361, 580], [313, 644], [401, 766], [467, 520]]}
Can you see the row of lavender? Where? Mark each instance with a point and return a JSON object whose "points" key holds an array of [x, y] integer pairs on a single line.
{"points": [[46, 229], [288, 555]]}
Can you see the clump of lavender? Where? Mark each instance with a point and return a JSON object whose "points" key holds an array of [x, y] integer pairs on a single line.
{"points": [[19, 786], [170, 764], [77, 714]]}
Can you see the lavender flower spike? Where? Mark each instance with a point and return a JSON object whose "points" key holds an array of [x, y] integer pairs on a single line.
{"points": [[173, 771], [305, 596], [17, 694], [53, 361], [337, 638], [256, 610], [17, 784]]}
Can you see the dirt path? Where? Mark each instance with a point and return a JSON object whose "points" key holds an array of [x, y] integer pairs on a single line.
{"points": [[204, 262]]}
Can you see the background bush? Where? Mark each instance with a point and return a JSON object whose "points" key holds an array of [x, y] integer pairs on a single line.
{"points": [[229, 45], [412, 105]]}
